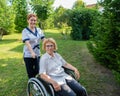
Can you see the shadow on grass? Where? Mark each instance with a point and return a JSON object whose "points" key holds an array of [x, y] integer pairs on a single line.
{"points": [[18, 48], [6, 41], [13, 78]]}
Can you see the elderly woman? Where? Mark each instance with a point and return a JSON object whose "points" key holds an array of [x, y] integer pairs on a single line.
{"points": [[51, 70]]}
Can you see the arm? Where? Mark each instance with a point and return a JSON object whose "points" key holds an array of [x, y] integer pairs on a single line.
{"points": [[30, 49], [43, 39], [55, 85], [69, 66], [26, 39], [43, 75]]}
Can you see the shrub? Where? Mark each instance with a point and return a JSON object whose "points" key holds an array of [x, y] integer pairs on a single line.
{"points": [[81, 20], [106, 29]]}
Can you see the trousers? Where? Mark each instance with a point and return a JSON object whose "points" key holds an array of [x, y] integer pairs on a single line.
{"points": [[32, 66], [71, 88]]}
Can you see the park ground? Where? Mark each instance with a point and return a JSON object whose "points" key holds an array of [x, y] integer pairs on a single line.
{"points": [[98, 80], [104, 83]]}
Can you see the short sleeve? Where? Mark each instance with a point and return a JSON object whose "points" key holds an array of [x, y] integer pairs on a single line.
{"points": [[43, 65], [41, 33], [61, 59], [25, 36]]}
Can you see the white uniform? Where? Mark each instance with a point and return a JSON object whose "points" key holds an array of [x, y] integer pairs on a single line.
{"points": [[52, 66], [34, 39]]}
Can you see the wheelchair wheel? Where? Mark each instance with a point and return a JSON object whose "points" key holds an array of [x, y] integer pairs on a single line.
{"points": [[47, 86], [36, 88]]}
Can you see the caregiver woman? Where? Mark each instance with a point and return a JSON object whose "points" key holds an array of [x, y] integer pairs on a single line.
{"points": [[31, 36]]}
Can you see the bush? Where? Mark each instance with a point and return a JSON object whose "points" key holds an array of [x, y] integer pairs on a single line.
{"points": [[81, 20], [117, 76], [106, 32]]}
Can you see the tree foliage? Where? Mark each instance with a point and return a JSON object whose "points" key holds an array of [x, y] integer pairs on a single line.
{"points": [[78, 4], [43, 9], [81, 20], [6, 17], [105, 46], [20, 14], [61, 17]]}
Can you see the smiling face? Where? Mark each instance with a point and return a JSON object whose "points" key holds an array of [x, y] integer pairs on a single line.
{"points": [[50, 48], [32, 20], [49, 45]]}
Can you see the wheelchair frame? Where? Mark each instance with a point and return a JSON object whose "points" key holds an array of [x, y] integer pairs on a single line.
{"points": [[38, 87]]}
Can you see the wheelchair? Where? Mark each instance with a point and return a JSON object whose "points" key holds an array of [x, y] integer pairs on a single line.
{"points": [[38, 87]]}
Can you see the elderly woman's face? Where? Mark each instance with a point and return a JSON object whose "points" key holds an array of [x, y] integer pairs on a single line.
{"points": [[49, 46]]}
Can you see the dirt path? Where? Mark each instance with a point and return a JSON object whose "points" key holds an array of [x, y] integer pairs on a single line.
{"points": [[102, 82]]}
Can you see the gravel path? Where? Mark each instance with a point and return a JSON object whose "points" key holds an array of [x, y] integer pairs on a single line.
{"points": [[102, 82]]}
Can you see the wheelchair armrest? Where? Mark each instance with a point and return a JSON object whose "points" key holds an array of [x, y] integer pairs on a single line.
{"points": [[42, 80], [70, 72], [67, 69]]}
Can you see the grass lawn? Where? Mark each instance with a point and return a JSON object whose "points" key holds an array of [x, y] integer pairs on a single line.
{"points": [[13, 77]]}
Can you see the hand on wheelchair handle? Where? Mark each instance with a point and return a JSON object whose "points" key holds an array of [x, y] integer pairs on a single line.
{"points": [[33, 55]]}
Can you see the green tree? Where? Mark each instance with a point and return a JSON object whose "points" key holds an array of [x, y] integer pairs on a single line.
{"points": [[78, 4], [59, 19], [105, 46], [81, 20], [43, 9], [49, 22], [6, 17], [20, 14]]}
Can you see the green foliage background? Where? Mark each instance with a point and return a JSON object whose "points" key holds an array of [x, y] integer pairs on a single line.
{"points": [[102, 28], [20, 15], [105, 45], [80, 21]]}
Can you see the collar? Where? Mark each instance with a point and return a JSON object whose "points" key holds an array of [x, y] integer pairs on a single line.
{"points": [[49, 56], [32, 32]]}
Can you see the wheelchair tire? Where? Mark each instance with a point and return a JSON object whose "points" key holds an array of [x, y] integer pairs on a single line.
{"points": [[36, 88], [47, 86]]}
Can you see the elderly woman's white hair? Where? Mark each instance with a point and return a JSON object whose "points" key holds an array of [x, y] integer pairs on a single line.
{"points": [[46, 40]]}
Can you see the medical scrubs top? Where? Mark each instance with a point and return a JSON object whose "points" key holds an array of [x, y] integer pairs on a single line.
{"points": [[34, 38]]}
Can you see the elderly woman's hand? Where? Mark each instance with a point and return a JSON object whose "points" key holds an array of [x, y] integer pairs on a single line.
{"points": [[56, 86], [77, 73]]}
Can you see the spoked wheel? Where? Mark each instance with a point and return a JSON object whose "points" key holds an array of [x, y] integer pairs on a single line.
{"points": [[35, 88]]}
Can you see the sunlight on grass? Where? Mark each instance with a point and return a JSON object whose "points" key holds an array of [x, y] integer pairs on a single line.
{"points": [[4, 65], [52, 31], [13, 36], [4, 80], [8, 47], [13, 77], [12, 65]]}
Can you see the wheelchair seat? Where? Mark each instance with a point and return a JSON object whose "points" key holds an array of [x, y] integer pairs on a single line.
{"points": [[38, 87]]}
